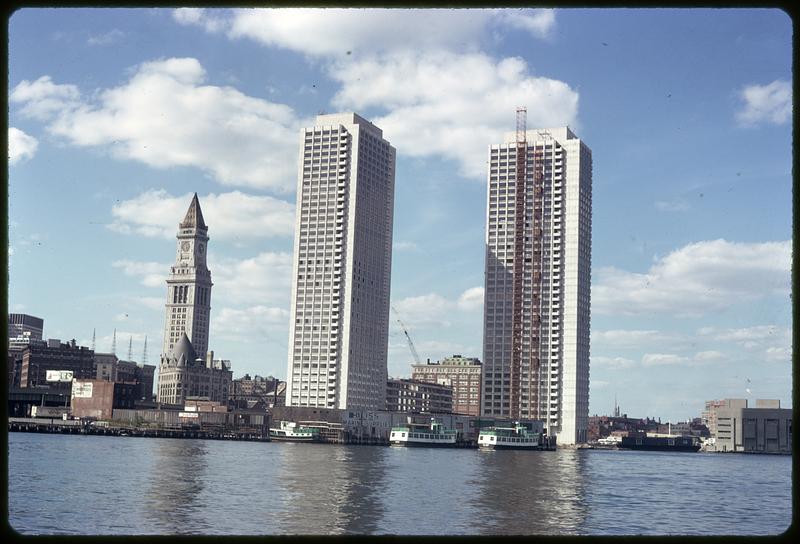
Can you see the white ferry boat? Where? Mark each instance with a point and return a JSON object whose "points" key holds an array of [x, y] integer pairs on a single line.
{"points": [[289, 431], [517, 437], [432, 436]]}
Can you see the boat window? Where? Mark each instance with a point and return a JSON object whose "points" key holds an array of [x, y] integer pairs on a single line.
{"points": [[403, 435]]}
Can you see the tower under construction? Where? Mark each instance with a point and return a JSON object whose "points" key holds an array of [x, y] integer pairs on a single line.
{"points": [[538, 269]]}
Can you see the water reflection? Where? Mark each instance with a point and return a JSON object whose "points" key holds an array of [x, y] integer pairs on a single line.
{"points": [[174, 485], [329, 489], [523, 492]]}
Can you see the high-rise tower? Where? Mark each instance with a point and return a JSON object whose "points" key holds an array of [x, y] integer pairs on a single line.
{"points": [[538, 268], [342, 265], [188, 305]]}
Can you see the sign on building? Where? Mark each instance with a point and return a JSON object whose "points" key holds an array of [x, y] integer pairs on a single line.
{"points": [[59, 376], [81, 390]]}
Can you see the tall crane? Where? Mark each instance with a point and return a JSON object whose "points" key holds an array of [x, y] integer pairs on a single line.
{"points": [[408, 338]]}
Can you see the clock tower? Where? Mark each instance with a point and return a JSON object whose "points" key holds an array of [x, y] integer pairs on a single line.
{"points": [[188, 305]]}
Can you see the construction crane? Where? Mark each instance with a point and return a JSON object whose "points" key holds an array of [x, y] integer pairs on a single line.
{"points": [[408, 338]]}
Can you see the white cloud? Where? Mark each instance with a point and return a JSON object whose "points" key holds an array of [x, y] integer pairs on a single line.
{"points": [[696, 279], [438, 101], [340, 31], [622, 338], [229, 216], [151, 274], [653, 359], [108, 38], [21, 146], [42, 99], [434, 309], [708, 355], [471, 299], [165, 116], [254, 324], [766, 103], [539, 22], [782, 354], [404, 246], [200, 17], [260, 280], [424, 310], [677, 205], [610, 362]]}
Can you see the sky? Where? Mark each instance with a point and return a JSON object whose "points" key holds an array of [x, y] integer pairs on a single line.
{"points": [[117, 116]]}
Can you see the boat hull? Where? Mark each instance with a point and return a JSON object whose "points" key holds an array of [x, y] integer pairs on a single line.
{"points": [[412, 444], [291, 439], [509, 447], [644, 447]]}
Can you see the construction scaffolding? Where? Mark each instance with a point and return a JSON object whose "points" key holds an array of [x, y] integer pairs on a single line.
{"points": [[527, 264]]}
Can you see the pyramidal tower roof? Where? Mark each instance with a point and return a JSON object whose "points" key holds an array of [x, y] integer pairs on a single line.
{"points": [[194, 216], [183, 352]]}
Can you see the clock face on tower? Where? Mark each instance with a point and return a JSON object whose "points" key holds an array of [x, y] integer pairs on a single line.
{"points": [[185, 246]]}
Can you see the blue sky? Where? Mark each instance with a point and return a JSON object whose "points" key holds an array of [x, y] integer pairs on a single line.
{"points": [[116, 116]]}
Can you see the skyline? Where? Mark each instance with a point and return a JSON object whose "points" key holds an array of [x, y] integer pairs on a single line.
{"points": [[118, 118]]}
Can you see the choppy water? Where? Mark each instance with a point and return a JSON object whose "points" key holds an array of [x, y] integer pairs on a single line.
{"points": [[64, 484]]}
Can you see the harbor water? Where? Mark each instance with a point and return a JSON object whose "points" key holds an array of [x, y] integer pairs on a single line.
{"points": [[88, 485]]}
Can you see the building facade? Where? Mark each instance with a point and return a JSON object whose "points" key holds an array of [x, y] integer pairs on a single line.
{"points": [[765, 428], [19, 324], [37, 360], [538, 268], [188, 308], [463, 374], [183, 374], [417, 396], [339, 322], [109, 367]]}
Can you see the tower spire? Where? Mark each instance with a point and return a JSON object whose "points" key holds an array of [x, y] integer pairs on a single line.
{"points": [[94, 337], [114, 342], [130, 348], [144, 351], [194, 216]]}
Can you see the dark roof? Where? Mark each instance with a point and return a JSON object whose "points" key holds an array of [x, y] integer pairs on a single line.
{"points": [[194, 216], [183, 352]]}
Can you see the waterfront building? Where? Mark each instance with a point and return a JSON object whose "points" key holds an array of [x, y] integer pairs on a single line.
{"points": [[183, 374], [538, 268], [765, 428], [110, 368], [339, 322], [403, 395], [98, 398], [463, 374], [188, 307], [38, 359]]}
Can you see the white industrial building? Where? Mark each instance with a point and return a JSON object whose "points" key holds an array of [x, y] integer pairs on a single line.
{"points": [[339, 324], [538, 268]]}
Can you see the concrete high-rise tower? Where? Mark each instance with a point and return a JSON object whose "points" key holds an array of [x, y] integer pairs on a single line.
{"points": [[189, 284], [342, 266], [538, 269]]}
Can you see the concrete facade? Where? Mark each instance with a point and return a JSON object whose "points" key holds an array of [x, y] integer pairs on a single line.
{"points": [[463, 374], [551, 382], [339, 321], [766, 428]]}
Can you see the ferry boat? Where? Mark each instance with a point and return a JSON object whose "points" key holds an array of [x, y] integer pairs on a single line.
{"points": [[289, 431], [641, 441], [415, 434], [518, 437]]}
